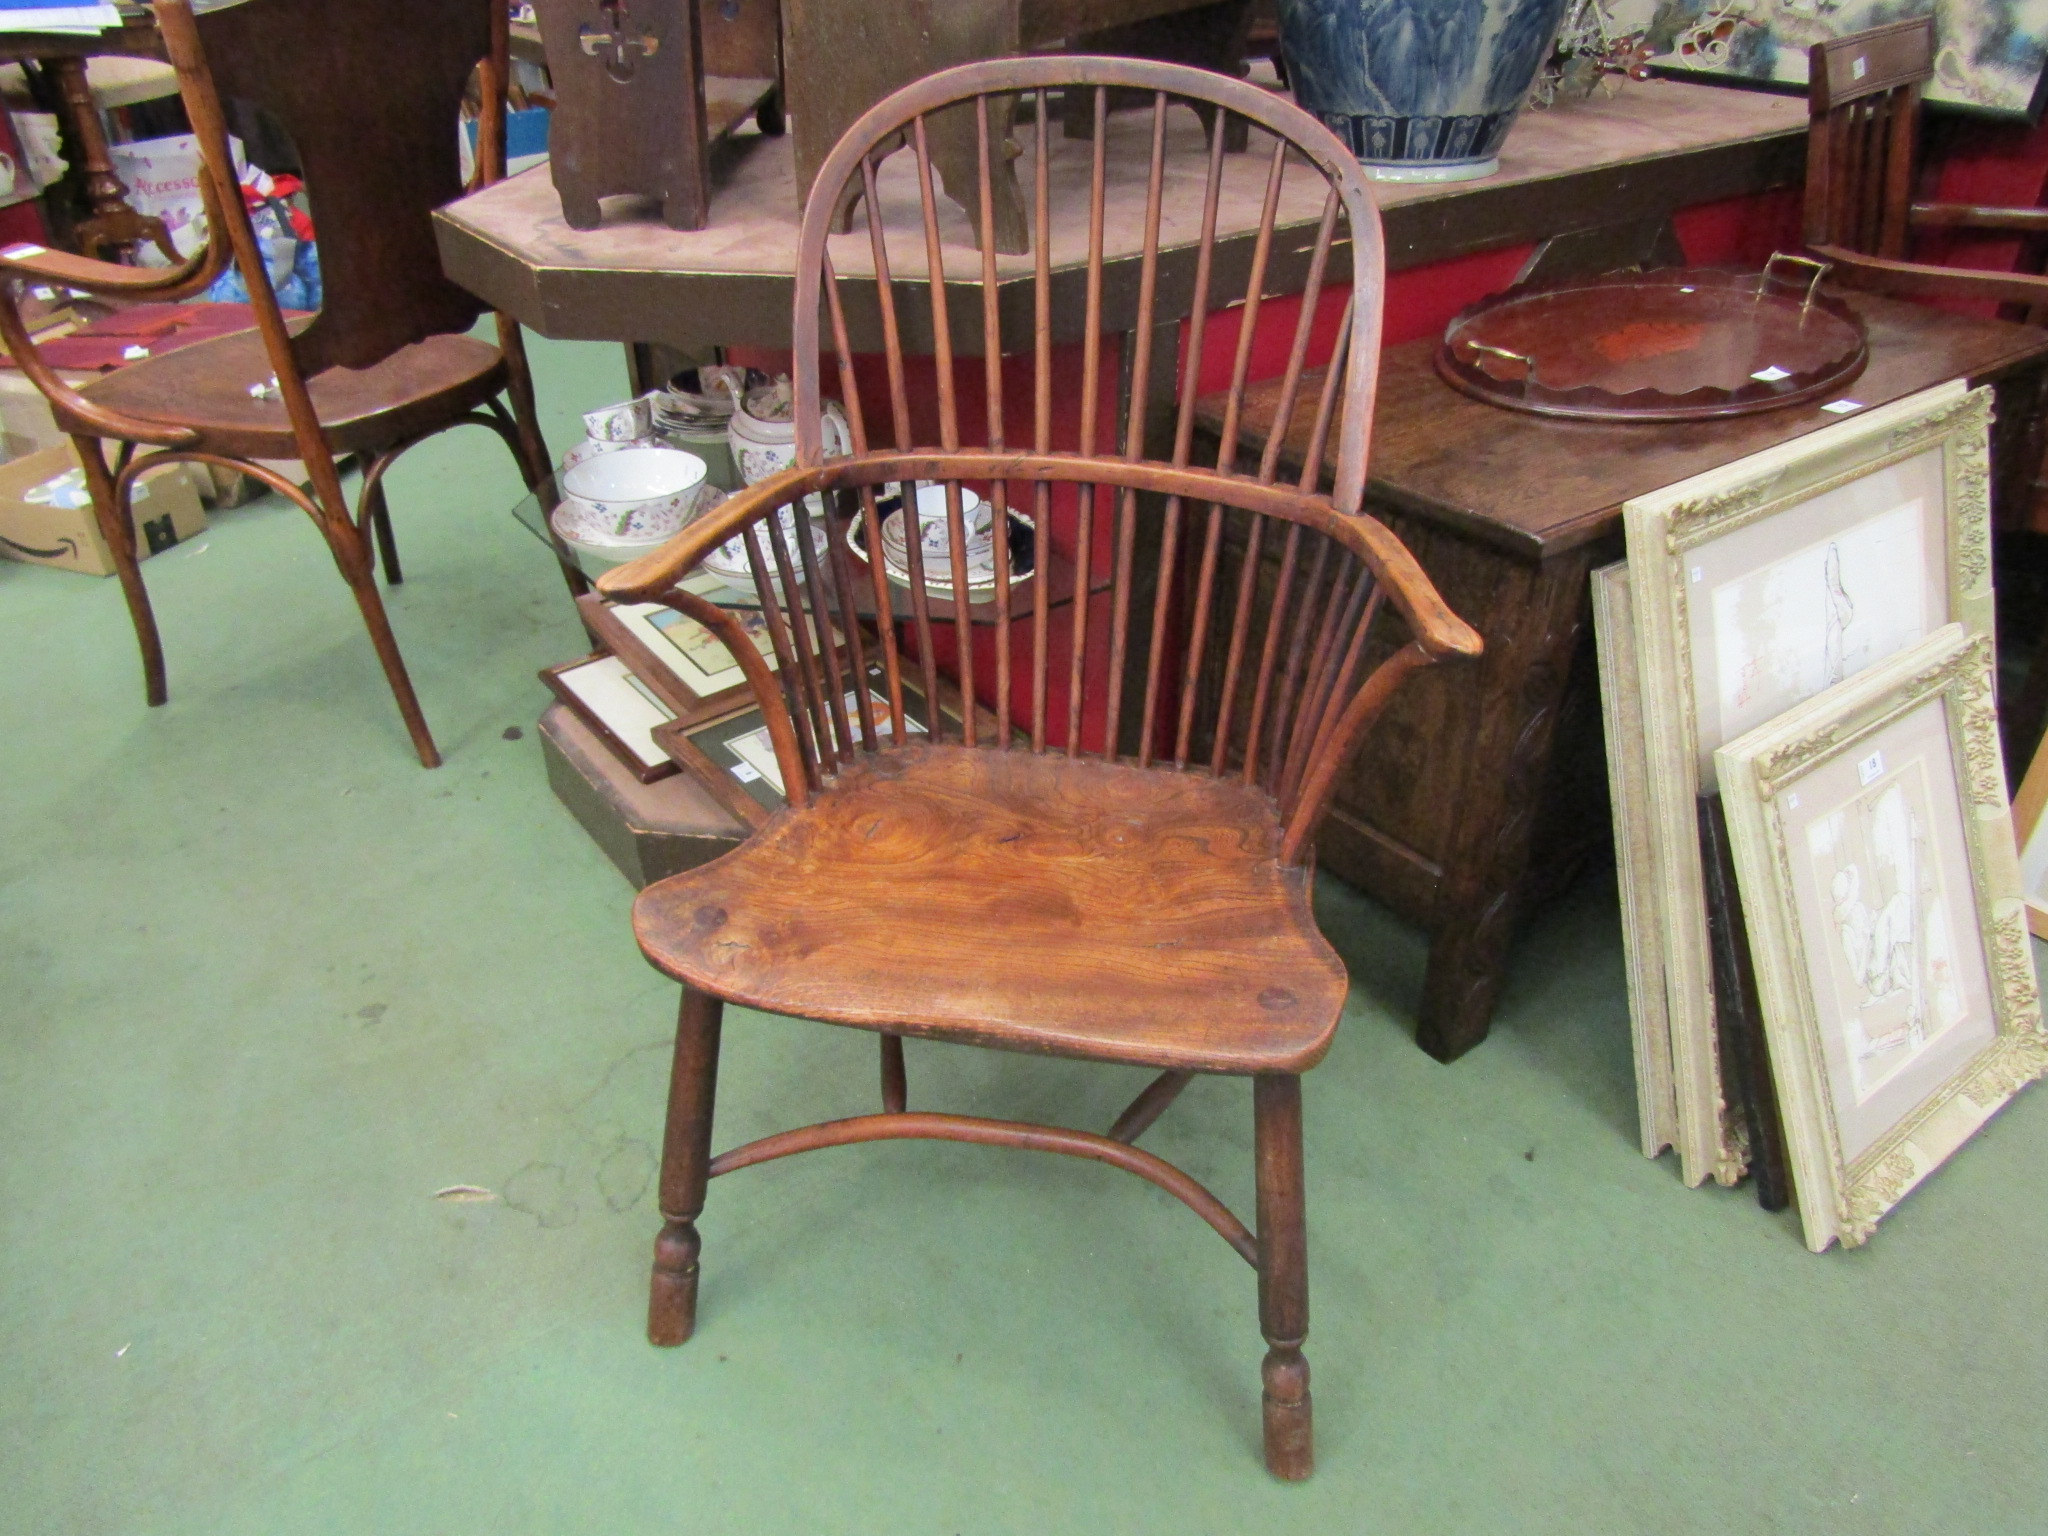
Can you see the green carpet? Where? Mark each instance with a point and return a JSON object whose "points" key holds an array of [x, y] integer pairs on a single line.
{"points": [[266, 986]]}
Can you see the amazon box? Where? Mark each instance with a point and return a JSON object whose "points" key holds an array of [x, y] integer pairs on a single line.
{"points": [[46, 515]]}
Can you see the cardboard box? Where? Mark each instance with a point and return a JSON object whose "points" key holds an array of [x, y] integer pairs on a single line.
{"points": [[58, 528]]}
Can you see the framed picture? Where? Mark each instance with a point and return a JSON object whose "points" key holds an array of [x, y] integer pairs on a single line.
{"points": [[2027, 821], [1628, 782], [623, 711], [1882, 890], [1757, 586], [1988, 54], [696, 656]]}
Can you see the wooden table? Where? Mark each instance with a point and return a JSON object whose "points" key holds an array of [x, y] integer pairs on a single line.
{"points": [[1624, 164], [1484, 788]]}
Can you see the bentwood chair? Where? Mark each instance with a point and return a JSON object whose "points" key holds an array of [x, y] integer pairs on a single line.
{"points": [[1105, 853], [369, 93]]}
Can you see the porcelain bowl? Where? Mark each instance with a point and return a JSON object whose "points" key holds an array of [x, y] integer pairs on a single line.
{"points": [[629, 496]]}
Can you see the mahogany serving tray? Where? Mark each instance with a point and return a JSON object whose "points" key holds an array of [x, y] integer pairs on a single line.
{"points": [[1678, 344]]}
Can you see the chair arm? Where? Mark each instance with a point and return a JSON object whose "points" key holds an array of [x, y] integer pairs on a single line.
{"points": [[166, 284], [101, 421], [2032, 221], [1919, 279], [649, 577]]}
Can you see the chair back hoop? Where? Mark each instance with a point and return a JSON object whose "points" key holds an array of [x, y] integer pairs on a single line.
{"points": [[1863, 106], [960, 121], [371, 99]]}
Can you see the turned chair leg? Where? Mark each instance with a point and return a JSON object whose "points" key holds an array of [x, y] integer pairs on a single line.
{"points": [[117, 527], [685, 1169], [1283, 1277]]}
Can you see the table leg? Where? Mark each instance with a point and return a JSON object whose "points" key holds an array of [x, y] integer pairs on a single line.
{"points": [[1540, 616], [112, 224]]}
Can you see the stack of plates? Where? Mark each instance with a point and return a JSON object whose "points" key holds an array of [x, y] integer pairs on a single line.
{"points": [[938, 569]]}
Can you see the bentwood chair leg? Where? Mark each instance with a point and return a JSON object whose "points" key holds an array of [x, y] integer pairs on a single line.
{"points": [[117, 527], [895, 1082], [535, 465], [387, 544], [685, 1169], [1283, 1277], [357, 568]]}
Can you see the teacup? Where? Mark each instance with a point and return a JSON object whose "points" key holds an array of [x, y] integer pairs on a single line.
{"points": [[935, 529], [630, 495], [621, 423]]}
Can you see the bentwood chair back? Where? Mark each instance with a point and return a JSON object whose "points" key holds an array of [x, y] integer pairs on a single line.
{"points": [[1075, 814], [369, 94]]}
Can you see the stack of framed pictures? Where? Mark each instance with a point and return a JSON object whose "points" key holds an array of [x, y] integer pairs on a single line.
{"points": [[1763, 618], [665, 696]]}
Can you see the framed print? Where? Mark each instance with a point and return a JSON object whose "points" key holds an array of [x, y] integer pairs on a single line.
{"points": [[1988, 54], [1628, 782], [2032, 843], [608, 698], [1757, 586], [1882, 890], [698, 658]]}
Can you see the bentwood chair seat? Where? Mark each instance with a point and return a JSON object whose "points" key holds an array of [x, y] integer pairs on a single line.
{"points": [[206, 389], [1096, 839], [1025, 901], [369, 94]]}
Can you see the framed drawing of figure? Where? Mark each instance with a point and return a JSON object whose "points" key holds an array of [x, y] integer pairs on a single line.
{"points": [[1756, 587], [1894, 967]]}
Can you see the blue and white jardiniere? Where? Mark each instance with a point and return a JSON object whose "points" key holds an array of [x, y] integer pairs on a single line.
{"points": [[1421, 90]]}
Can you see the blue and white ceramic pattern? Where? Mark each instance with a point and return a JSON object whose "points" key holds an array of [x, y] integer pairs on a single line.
{"points": [[1422, 90]]}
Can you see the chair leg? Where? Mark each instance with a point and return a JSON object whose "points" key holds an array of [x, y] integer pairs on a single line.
{"points": [[685, 1169], [117, 527], [357, 568], [1283, 1277], [387, 544], [895, 1082], [535, 465]]}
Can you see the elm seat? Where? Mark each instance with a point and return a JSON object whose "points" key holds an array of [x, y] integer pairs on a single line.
{"points": [[362, 410], [937, 880]]}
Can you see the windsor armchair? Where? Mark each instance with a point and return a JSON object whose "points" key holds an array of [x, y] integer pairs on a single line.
{"points": [[385, 364], [1109, 861]]}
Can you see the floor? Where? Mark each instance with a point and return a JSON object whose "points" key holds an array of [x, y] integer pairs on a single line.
{"points": [[266, 987]]}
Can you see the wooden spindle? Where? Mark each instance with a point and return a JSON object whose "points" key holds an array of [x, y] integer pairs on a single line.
{"points": [[1041, 394], [1297, 352], [1269, 651], [885, 298], [992, 386]]}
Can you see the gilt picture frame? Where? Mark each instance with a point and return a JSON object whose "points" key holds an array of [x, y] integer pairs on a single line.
{"points": [[1635, 859], [1756, 586], [1882, 889]]}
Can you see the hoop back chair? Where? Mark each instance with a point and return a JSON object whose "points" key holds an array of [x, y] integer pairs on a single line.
{"points": [[385, 363], [1863, 112], [1104, 851]]}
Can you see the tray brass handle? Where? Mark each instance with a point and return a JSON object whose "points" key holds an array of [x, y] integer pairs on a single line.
{"points": [[1528, 363], [1817, 271]]}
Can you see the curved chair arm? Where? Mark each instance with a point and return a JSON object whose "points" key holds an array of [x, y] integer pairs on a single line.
{"points": [[1919, 279], [1440, 632], [2027, 221], [101, 421], [193, 275]]}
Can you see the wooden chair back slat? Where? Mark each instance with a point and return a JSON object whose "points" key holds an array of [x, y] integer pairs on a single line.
{"points": [[1864, 104]]}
